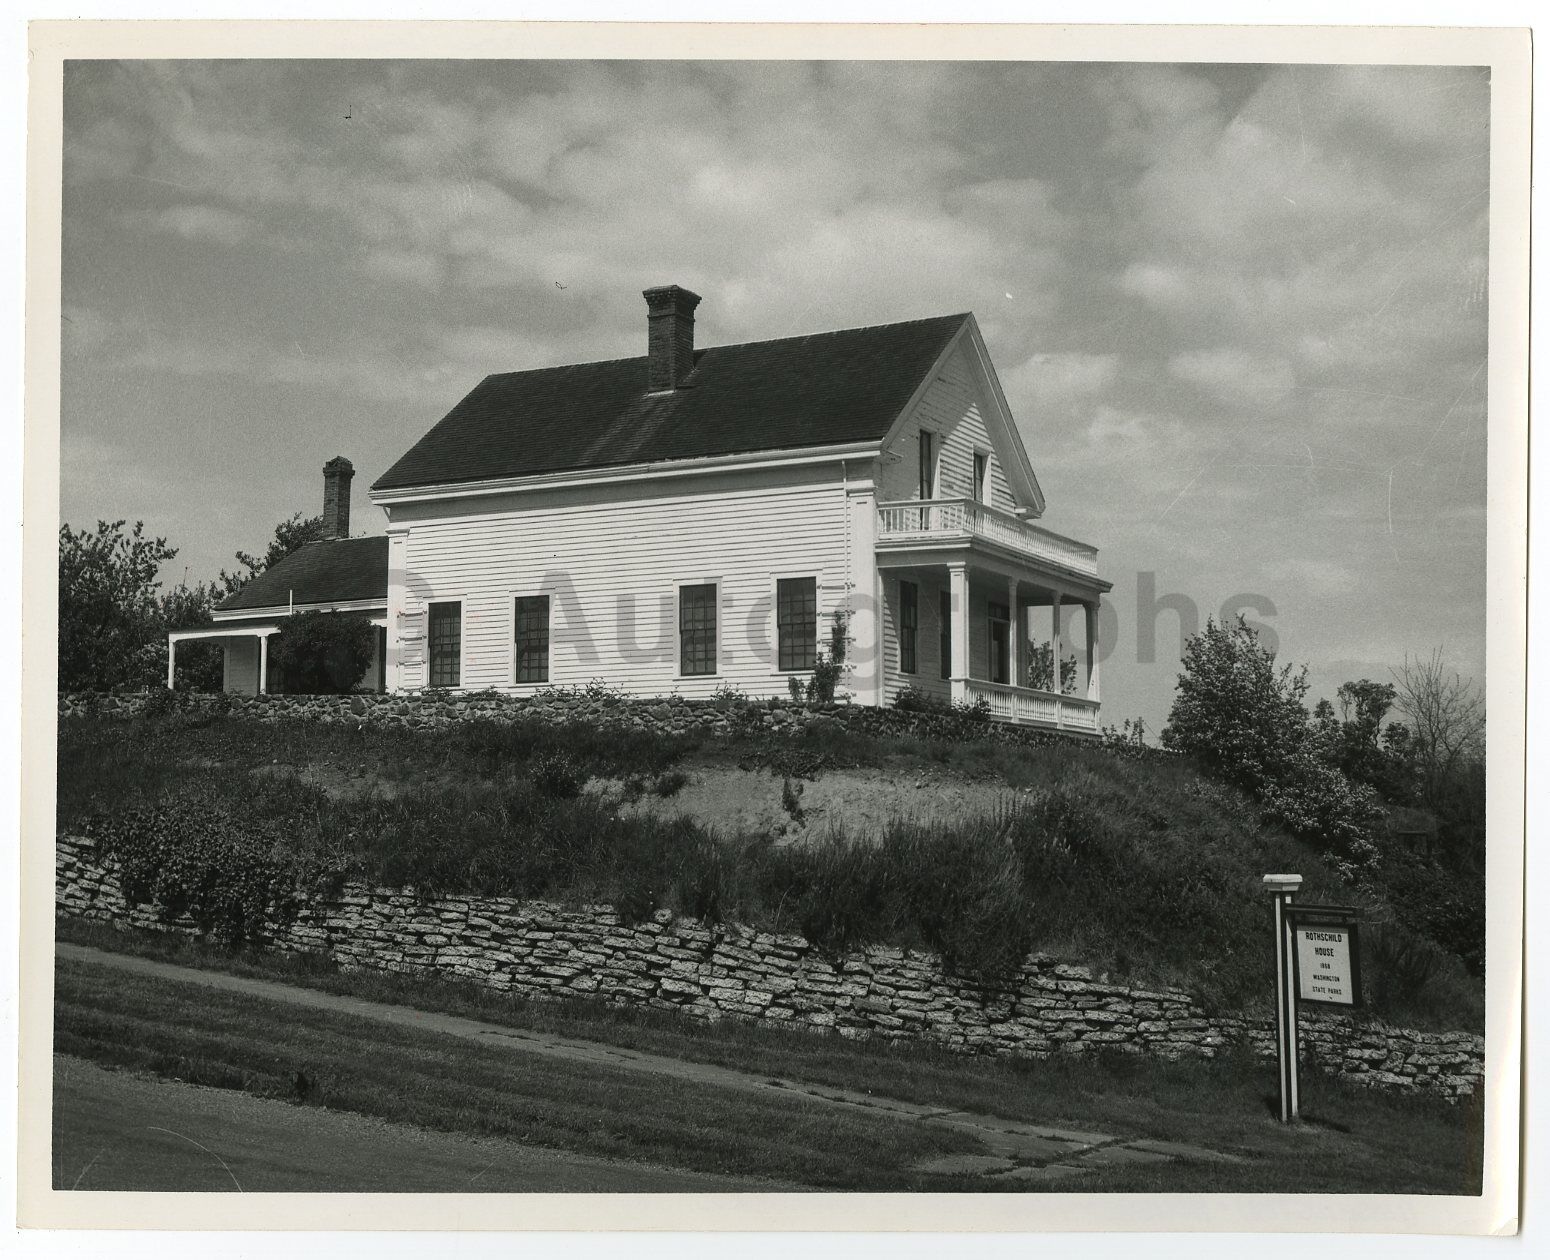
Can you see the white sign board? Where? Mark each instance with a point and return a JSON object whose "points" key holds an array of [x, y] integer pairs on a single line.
{"points": [[1324, 966]]}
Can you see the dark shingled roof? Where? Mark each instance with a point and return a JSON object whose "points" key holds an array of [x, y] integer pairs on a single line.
{"points": [[825, 388], [331, 571]]}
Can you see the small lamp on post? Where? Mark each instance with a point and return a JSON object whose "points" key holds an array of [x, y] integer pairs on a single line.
{"points": [[1281, 889]]}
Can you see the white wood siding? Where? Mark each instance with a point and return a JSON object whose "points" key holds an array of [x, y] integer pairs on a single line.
{"points": [[952, 409], [611, 559], [239, 672]]}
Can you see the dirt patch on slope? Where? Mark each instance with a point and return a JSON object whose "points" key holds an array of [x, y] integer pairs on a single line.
{"points": [[857, 802]]}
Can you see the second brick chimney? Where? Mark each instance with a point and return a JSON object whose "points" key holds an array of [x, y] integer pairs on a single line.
{"points": [[337, 474], [670, 336]]}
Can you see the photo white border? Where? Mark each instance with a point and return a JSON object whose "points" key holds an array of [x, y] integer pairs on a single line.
{"points": [[1506, 51]]}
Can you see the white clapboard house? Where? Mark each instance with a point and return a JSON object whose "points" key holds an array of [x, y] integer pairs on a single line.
{"points": [[695, 520]]}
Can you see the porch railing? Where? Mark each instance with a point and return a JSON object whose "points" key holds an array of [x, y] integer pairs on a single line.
{"points": [[1027, 705], [937, 520]]}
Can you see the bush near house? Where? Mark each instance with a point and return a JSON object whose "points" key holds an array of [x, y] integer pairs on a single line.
{"points": [[322, 653]]}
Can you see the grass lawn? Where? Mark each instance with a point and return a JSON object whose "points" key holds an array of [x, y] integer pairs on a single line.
{"points": [[345, 1064], [116, 1130], [1357, 1140]]}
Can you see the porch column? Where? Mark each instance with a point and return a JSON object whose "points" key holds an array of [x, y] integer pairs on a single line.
{"points": [[263, 664], [1054, 642], [172, 661], [1013, 633], [958, 590], [1092, 649]]}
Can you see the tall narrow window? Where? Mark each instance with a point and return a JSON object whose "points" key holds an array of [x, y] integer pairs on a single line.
{"points": [[533, 639], [445, 633], [796, 623], [1000, 643], [697, 629], [944, 613], [927, 463], [981, 477], [909, 625]]}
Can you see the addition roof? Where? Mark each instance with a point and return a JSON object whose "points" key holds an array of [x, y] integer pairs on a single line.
{"points": [[329, 571], [818, 390]]}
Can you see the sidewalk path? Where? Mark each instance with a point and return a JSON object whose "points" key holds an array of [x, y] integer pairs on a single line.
{"points": [[1016, 1151]]}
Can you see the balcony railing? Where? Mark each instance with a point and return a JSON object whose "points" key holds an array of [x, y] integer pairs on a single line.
{"points": [[944, 520], [1026, 705]]}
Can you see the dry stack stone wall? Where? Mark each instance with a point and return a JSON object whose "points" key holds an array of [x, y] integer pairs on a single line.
{"points": [[537, 949], [669, 715]]}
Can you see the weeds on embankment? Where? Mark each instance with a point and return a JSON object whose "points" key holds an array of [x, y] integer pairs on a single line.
{"points": [[1141, 867]]}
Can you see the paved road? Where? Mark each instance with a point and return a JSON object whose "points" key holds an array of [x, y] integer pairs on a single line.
{"points": [[1016, 1151], [122, 1131]]}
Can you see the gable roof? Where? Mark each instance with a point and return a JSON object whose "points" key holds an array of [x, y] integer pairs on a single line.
{"points": [[818, 390], [329, 571]]}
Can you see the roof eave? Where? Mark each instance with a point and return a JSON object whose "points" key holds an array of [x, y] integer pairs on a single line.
{"points": [[741, 461]]}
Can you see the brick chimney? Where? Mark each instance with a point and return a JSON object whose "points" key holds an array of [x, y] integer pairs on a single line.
{"points": [[337, 474], [670, 336]]}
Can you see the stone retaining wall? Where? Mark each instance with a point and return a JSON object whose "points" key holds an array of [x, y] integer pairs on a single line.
{"points": [[537, 949], [671, 715]]}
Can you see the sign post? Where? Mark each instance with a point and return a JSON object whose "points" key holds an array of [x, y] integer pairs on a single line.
{"points": [[1326, 955], [1318, 961], [1281, 889]]}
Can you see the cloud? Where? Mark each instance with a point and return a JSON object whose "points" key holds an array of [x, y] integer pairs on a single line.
{"points": [[1235, 376], [206, 223], [1320, 579], [1054, 379], [412, 266]]}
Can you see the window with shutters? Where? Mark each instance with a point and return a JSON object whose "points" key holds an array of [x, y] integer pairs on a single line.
{"points": [[532, 639], [796, 623], [697, 630], [909, 625], [445, 635]]}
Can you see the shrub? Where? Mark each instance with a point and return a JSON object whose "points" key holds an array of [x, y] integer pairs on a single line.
{"points": [[557, 775], [193, 855], [323, 653], [911, 699], [669, 783], [1243, 719], [791, 798]]}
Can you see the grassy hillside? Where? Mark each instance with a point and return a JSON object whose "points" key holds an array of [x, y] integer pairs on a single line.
{"points": [[1127, 859]]}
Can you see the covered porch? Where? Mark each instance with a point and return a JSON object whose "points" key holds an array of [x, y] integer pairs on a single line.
{"points": [[1020, 638], [246, 668]]}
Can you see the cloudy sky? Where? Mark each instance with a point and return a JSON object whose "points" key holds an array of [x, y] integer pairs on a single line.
{"points": [[1239, 311]]}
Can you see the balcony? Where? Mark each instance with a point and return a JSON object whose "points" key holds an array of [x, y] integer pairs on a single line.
{"points": [[945, 522], [1026, 706]]}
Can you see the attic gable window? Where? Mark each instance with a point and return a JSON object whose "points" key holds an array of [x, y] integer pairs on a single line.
{"points": [[445, 638], [697, 630], [532, 638], [981, 477]]}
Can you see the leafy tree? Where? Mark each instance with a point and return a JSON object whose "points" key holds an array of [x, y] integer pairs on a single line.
{"points": [[320, 653], [200, 663], [1235, 712], [1039, 674], [1362, 745], [109, 607], [289, 536], [1243, 719]]}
